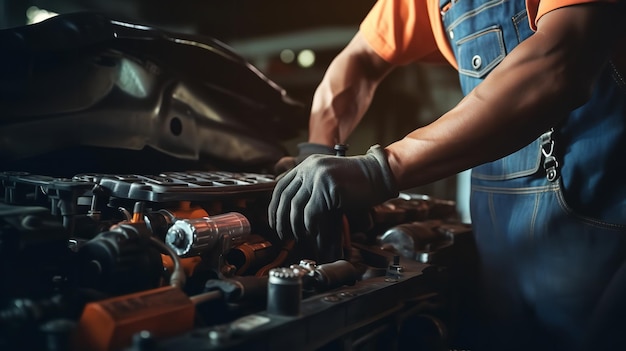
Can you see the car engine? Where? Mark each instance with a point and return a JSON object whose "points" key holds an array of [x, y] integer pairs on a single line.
{"points": [[96, 259]]}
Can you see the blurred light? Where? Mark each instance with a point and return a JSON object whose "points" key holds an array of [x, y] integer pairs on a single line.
{"points": [[34, 15], [287, 56], [134, 79], [306, 58]]}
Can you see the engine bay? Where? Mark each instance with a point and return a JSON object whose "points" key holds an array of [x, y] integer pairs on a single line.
{"points": [[186, 260]]}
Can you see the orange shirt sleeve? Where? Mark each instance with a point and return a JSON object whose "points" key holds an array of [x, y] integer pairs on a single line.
{"points": [[538, 8], [399, 31]]}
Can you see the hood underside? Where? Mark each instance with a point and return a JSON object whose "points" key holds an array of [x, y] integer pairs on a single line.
{"points": [[83, 88]]}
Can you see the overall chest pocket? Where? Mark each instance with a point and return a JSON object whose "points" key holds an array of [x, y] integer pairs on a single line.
{"points": [[480, 52]]}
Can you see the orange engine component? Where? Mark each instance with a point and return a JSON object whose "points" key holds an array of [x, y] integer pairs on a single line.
{"points": [[188, 263], [110, 324]]}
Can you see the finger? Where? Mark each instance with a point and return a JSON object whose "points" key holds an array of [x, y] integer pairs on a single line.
{"points": [[271, 208], [298, 204], [312, 213], [283, 210], [280, 185]]}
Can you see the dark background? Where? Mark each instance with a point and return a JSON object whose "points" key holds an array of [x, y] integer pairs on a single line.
{"points": [[223, 19]]}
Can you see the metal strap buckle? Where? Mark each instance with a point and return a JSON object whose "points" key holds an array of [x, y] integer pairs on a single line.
{"points": [[550, 163]]}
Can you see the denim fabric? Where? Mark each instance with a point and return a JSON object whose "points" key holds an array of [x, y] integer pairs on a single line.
{"points": [[552, 253]]}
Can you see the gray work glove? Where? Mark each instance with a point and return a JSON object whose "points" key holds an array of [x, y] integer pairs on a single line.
{"points": [[304, 150], [310, 194]]}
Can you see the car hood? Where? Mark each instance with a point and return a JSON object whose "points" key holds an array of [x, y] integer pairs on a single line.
{"points": [[83, 81]]}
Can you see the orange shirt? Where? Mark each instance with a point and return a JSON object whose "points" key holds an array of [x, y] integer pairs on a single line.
{"points": [[403, 31]]}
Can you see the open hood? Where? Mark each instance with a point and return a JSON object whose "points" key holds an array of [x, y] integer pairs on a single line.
{"points": [[84, 89]]}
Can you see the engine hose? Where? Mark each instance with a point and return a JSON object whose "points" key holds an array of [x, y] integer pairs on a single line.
{"points": [[178, 277], [282, 255]]}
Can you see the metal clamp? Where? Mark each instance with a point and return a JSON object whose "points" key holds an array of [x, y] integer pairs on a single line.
{"points": [[550, 163]]}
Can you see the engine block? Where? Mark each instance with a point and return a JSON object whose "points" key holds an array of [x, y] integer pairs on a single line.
{"points": [[187, 260]]}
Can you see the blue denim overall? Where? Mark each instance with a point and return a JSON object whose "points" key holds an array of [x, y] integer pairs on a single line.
{"points": [[549, 224]]}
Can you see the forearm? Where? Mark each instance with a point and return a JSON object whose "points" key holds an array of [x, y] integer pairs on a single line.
{"points": [[533, 89], [338, 108], [345, 93]]}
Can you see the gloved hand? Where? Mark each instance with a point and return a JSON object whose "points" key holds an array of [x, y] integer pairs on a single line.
{"points": [[304, 150], [308, 195]]}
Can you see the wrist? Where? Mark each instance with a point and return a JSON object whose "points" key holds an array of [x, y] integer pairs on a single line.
{"points": [[385, 177]]}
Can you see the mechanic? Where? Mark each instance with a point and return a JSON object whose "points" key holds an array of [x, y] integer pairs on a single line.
{"points": [[542, 124]]}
